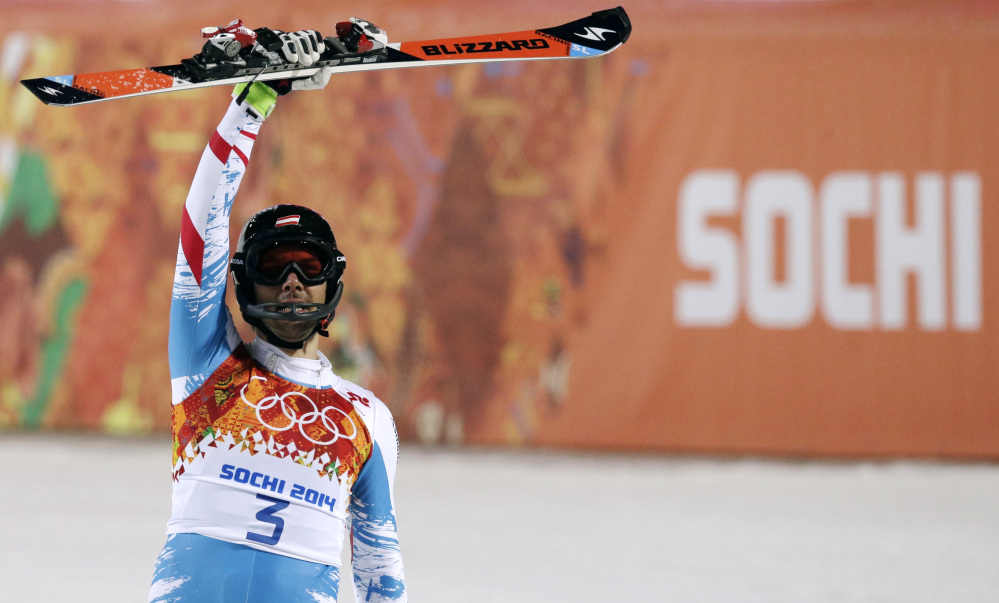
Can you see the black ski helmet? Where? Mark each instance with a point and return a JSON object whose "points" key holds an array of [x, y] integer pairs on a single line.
{"points": [[287, 225]]}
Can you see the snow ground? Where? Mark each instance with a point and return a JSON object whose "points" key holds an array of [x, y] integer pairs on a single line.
{"points": [[82, 519]]}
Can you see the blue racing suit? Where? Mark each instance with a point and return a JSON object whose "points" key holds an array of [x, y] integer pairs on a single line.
{"points": [[273, 456]]}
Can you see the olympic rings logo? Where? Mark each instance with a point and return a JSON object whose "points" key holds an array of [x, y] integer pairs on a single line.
{"points": [[290, 411]]}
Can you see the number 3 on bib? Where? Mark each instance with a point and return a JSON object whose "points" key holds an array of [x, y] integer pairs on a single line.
{"points": [[269, 515]]}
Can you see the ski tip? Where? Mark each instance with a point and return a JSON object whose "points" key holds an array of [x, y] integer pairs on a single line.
{"points": [[617, 13], [616, 19], [597, 34]]}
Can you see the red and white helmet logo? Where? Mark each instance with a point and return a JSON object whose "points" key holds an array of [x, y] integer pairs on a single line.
{"points": [[287, 221]]}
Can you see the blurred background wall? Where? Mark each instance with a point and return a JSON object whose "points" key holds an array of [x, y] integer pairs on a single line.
{"points": [[759, 227]]}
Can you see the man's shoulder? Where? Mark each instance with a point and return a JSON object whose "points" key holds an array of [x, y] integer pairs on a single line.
{"points": [[367, 396], [364, 400]]}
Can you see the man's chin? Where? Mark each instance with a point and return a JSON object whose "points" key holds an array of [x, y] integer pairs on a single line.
{"points": [[291, 331]]}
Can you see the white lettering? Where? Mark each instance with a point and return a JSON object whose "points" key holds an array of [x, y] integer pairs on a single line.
{"points": [[716, 302], [909, 261], [845, 306], [902, 251], [769, 303], [966, 244]]}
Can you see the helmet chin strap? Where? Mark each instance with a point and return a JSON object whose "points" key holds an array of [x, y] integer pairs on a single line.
{"points": [[255, 313]]}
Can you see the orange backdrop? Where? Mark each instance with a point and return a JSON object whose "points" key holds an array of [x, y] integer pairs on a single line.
{"points": [[756, 228]]}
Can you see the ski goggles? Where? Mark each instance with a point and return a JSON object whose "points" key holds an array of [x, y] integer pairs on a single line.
{"points": [[271, 264]]}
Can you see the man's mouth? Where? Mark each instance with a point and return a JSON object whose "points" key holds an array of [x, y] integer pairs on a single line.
{"points": [[283, 309]]}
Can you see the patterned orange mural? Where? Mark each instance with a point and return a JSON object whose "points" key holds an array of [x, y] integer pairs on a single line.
{"points": [[758, 227]]}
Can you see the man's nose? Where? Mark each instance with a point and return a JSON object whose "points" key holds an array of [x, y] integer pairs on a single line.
{"points": [[292, 283]]}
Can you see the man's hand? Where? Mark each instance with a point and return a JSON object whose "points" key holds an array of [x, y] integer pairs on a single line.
{"points": [[316, 82], [303, 46], [262, 96]]}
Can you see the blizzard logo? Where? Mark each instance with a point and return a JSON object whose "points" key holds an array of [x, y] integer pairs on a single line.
{"points": [[595, 33], [479, 47], [287, 221]]}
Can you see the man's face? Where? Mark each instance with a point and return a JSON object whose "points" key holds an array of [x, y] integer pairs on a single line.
{"points": [[292, 290]]}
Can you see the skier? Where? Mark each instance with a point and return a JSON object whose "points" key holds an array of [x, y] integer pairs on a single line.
{"points": [[274, 455]]}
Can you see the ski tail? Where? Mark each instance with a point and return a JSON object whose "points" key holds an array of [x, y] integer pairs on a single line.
{"points": [[59, 91], [91, 87]]}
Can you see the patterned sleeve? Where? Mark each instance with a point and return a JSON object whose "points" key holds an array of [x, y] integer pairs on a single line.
{"points": [[377, 559], [202, 334]]}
